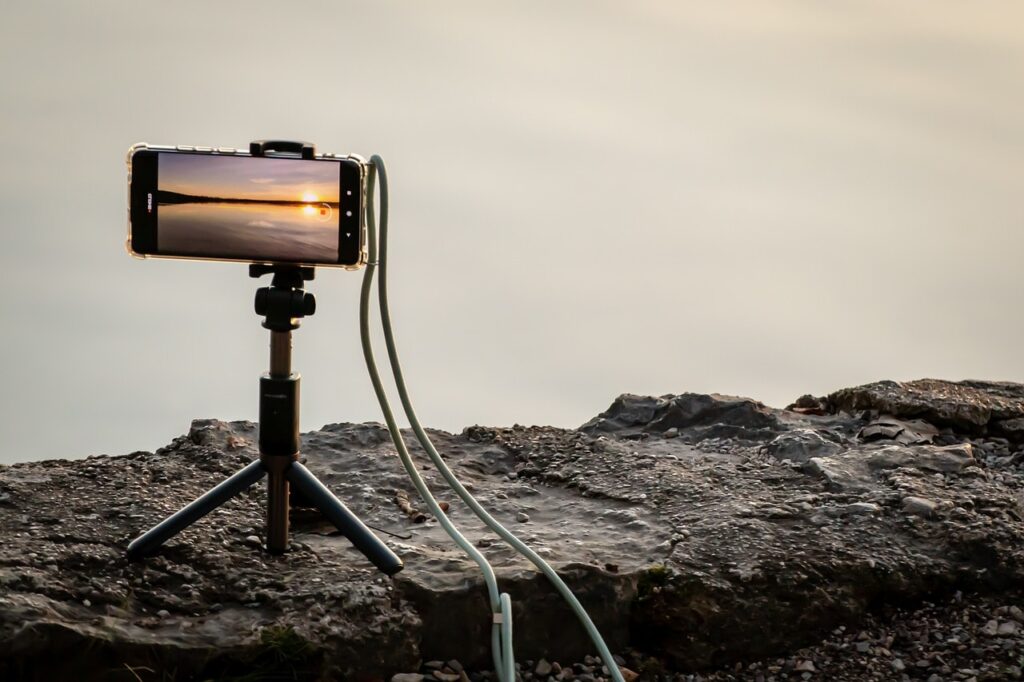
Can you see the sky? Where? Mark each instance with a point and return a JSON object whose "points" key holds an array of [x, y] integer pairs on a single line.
{"points": [[230, 177], [587, 199]]}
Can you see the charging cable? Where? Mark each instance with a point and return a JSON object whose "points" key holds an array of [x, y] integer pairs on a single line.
{"points": [[501, 633], [501, 604]]}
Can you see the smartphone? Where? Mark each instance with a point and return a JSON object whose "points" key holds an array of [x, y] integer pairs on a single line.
{"points": [[225, 204]]}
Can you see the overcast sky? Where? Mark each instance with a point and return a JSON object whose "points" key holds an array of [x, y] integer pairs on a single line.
{"points": [[587, 199]]}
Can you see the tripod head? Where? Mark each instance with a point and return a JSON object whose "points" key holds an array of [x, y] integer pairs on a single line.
{"points": [[284, 302]]}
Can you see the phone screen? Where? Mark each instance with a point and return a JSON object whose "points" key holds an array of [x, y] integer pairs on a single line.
{"points": [[248, 207], [237, 207]]}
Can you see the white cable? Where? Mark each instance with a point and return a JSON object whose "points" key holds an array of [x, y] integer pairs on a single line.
{"points": [[501, 628], [442, 467]]}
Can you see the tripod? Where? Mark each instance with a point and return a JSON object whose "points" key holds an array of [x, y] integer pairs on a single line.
{"points": [[283, 303]]}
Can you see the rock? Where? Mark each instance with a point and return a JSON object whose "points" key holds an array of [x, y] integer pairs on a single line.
{"points": [[808, 404], [706, 416], [805, 666], [543, 668], [712, 536], [968, 405], [855, 469], [858, 508], [898, 665], [445, 677], [1008, 629], [912, 432], [522, 517], [800, 445], [407, 677], [628, 675], [919, 506]]}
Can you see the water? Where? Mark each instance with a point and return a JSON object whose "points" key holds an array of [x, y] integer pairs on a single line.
{"points": [[307, 233]]}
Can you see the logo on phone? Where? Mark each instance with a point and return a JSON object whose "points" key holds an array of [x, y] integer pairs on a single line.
{"points": [[149, 202]]}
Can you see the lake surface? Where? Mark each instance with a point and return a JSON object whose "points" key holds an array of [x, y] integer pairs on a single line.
{"points": [[265, 230]]}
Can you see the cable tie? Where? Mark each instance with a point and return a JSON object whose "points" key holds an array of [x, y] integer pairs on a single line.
{"points": [[497, 618]]}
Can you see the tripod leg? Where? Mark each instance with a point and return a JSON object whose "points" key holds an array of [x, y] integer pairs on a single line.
{"points": [[344, 520], [195, 510]]}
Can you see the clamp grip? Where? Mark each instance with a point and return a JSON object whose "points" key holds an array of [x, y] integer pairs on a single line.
{"points": [[306, 150]]}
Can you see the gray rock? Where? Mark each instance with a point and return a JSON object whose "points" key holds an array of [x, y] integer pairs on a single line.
{"points": [[919, 506], [407, 677], [702, 531], [909, 432], [1008, 629], [968, 405], [800, 445], [858, 508]]}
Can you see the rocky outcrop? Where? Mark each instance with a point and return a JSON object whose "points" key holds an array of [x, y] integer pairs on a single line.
{"points": [[699, 530], [981, 407]]}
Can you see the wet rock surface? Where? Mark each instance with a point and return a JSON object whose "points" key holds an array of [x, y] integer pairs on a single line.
{"points": [[703, 532]]}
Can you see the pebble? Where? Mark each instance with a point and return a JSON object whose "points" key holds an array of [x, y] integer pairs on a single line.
{"points": [[522, 517], [858, 508], [1008, 628], [919, 506]]}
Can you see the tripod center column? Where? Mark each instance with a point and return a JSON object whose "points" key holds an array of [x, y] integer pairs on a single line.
{"points": [[279, 435]]}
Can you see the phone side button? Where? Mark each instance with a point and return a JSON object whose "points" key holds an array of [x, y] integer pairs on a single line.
{"points": [[203, 149], [185, 148], [226, 150]]}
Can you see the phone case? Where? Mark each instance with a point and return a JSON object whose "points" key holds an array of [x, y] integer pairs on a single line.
{"points": [[363, 171]]}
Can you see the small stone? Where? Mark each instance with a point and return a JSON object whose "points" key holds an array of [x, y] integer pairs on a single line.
{"points": [[86, 602], [253, 540], [163, 613], [628, 675], [919, 506], [805, 666], [898, 665], [434, 665], [407, 677], [543, 668], [671, 433], [454, 666], [860, 508], [445, 677], [991, 628], [862, 647], [1008, 628], [522, 517]]}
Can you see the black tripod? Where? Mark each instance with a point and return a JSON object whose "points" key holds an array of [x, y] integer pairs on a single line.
{"points": [[283, 303]]}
